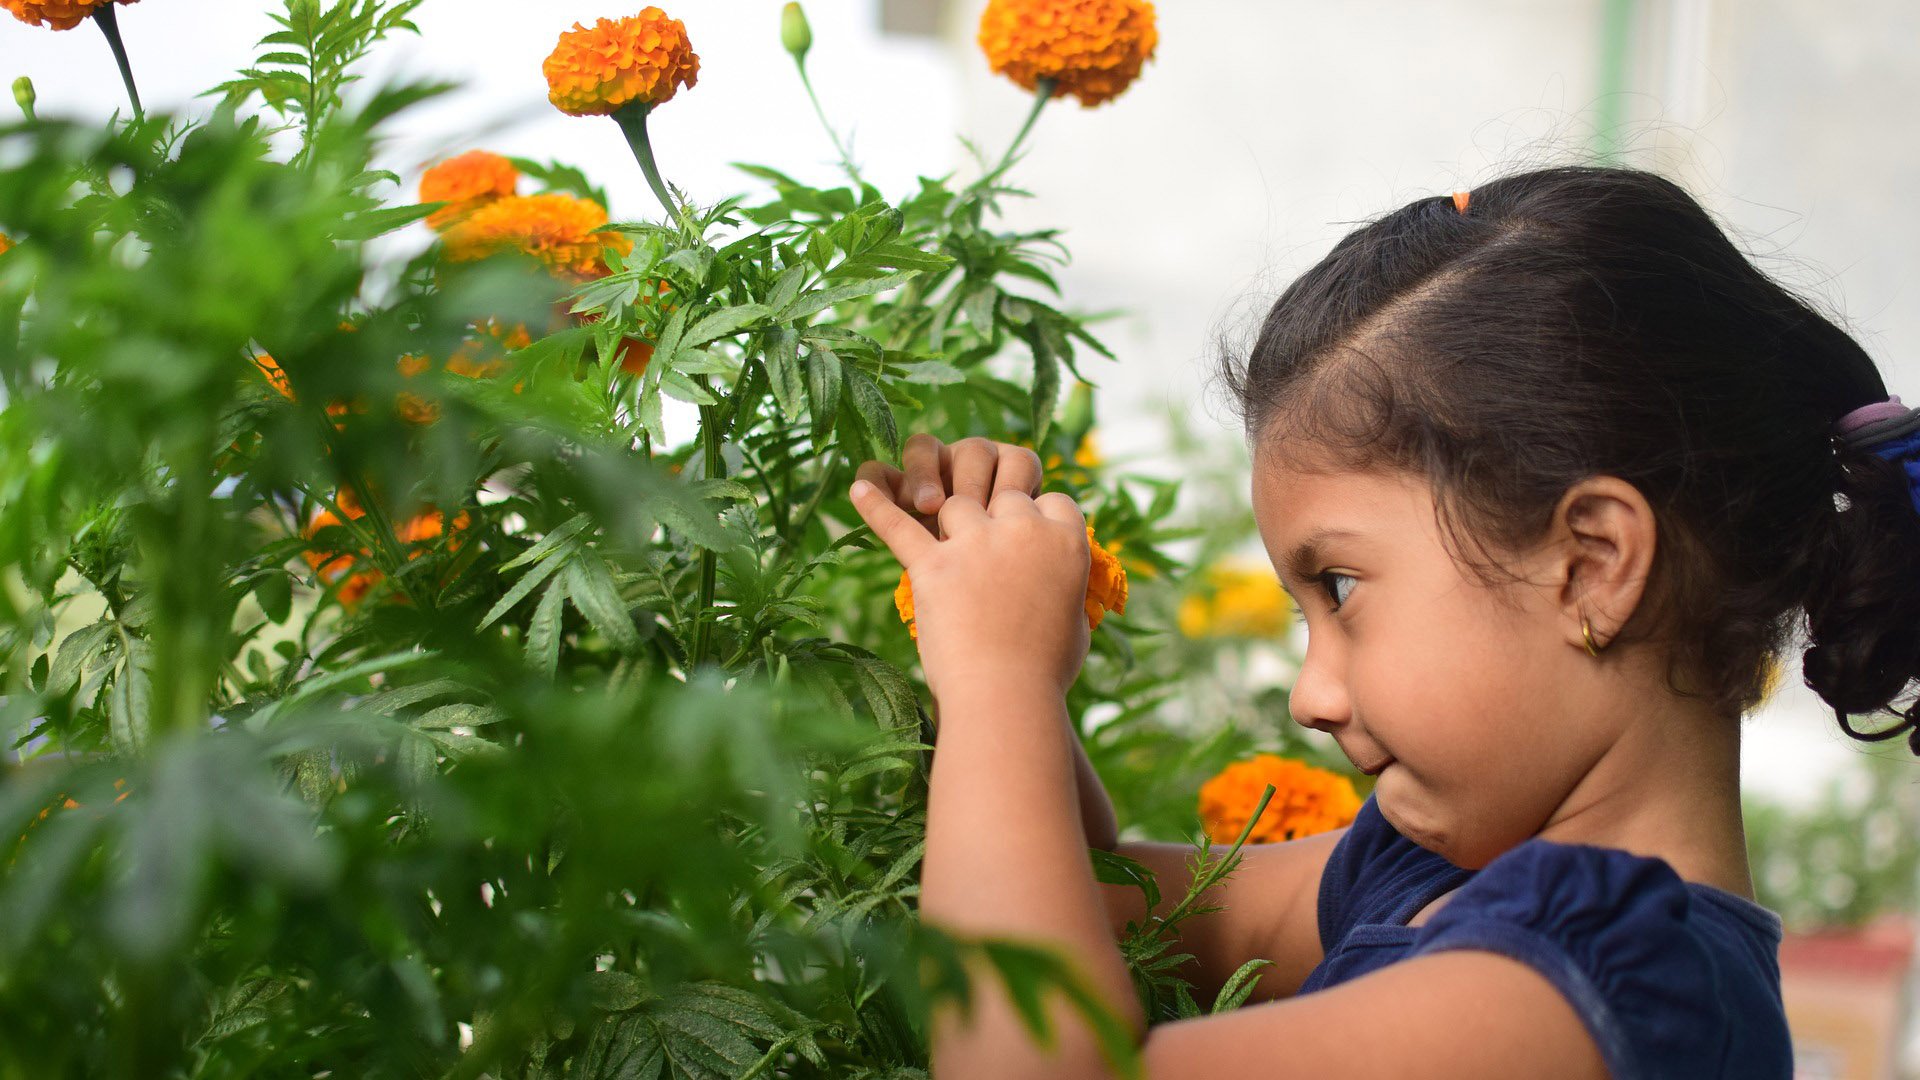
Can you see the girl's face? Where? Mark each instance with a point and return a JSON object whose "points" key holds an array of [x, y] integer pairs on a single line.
{"points": [[1484, 717]]}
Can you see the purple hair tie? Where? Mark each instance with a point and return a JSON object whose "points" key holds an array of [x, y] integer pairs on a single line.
{"points": [[1867, 414], [1886, 429]]}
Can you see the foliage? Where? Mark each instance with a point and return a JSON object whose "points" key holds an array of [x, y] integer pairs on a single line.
{"points": [[625, 779], [1843, 860]]}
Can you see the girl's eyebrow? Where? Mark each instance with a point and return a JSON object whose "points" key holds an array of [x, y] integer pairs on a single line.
{"points": [[1299, 563]]}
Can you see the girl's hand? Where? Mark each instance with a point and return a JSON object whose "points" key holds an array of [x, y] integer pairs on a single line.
{"points": [[931, 471], [1000, 600]]}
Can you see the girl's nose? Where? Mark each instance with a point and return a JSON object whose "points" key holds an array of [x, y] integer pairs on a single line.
{"points": [[1319, 697]]}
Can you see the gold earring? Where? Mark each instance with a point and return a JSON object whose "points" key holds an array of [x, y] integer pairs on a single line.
{"points": [[1587, 632]]}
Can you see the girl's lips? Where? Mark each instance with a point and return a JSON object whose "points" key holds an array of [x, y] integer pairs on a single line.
{"points": [[1376, 770]]}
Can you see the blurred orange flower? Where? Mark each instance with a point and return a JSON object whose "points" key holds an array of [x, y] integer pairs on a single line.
{"points": [[329, 566], [466, 183], [59, 14], [1306, 800], [643, 58], [556, 228], [1092, 49], [6, 243], [1106, 589]]}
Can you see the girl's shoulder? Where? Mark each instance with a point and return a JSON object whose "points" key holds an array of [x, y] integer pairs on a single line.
{"points": [[1671, 977]]}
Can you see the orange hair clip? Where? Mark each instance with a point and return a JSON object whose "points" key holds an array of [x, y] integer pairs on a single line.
{"points": [[1460, 201]]}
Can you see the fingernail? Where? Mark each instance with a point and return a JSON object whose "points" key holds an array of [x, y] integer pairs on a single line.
{"points": [[861, 489], [928, 494]]}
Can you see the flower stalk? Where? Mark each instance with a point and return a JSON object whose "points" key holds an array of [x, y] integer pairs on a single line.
{"points": [[109, 24], [632, 119]]}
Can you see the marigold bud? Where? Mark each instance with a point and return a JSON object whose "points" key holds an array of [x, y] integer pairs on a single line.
{"points": [[795, 34], [23, 94]]}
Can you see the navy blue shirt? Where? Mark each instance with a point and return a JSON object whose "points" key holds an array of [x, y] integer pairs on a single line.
{"points": [[1673, 978]]}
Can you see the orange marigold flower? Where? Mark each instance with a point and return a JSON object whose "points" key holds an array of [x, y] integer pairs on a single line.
{"points": [[330, 566], [556, 228], [1306, 800], [644, 58], [6, 243], [1106, 589], [275, 377], [465, 183], [59, 14], [1092, 49]]}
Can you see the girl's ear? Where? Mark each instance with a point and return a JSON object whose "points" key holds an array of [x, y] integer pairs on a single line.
{"points": [[1609, 534]]}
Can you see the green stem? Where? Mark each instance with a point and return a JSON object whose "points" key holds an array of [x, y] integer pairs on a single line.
{"points": [[109, 24], [846, 159], [632, 119], [1042, 93], [715, 469]]}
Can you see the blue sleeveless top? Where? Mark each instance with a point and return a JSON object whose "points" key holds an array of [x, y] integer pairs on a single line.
{"points": [[1673, 978]]}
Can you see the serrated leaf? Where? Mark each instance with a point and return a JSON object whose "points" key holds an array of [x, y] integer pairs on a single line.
{"points": [[823, 392], [543, 633], [130, 700], [782, 360], [725, 322], [876, 414], [593, 592], [528, 582], [821, 299], [1239, 986]]}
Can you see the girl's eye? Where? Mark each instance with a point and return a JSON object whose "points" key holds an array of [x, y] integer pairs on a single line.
{"points": [[1333, 593]]}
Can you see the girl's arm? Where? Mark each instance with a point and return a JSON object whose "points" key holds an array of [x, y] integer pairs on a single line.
{"points": [[1006, 856], [1097, 819]]}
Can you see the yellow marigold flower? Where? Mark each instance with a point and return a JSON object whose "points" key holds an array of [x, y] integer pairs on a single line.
{"points": [[466, 183], [1092, 49], [555, 228], [1306, 800], [644, 58], [1238, 601], [59, 14], [1106, 589]]}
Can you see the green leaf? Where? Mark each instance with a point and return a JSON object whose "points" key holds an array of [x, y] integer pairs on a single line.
{"points": [[528, 582], [1239, 986], [782, 359], [543, 633], [545, 546], [821, 299], [823, 392], [725, 322], [130, 699], [876, 415], [1046, 388], [593, 592], [274, 593], [77, 652]]}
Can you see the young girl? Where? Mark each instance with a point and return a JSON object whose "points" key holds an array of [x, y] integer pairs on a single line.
{"points": [[1551, 471]]}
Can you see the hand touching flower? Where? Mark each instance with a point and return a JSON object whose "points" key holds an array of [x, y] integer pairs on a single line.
{"points": [[1001, 596]]}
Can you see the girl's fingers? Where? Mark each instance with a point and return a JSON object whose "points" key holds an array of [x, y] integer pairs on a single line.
{"points": [[921, 486], [1010, 503], [973, 469], [959, 515], [885, 477], [1018, 470], [1060, 506], [895, 527]]}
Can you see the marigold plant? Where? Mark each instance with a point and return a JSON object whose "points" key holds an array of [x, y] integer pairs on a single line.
{"points": [[555, 228], [644, 59], [1106, 589], [58, 14], [1306, 800], [466, 183], [1092, 49]]}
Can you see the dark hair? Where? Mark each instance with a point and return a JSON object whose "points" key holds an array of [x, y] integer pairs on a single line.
{"points": [[1587, 320]]}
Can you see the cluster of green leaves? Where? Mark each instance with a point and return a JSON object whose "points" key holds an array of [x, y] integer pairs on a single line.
{"points": [[621, 771]]}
